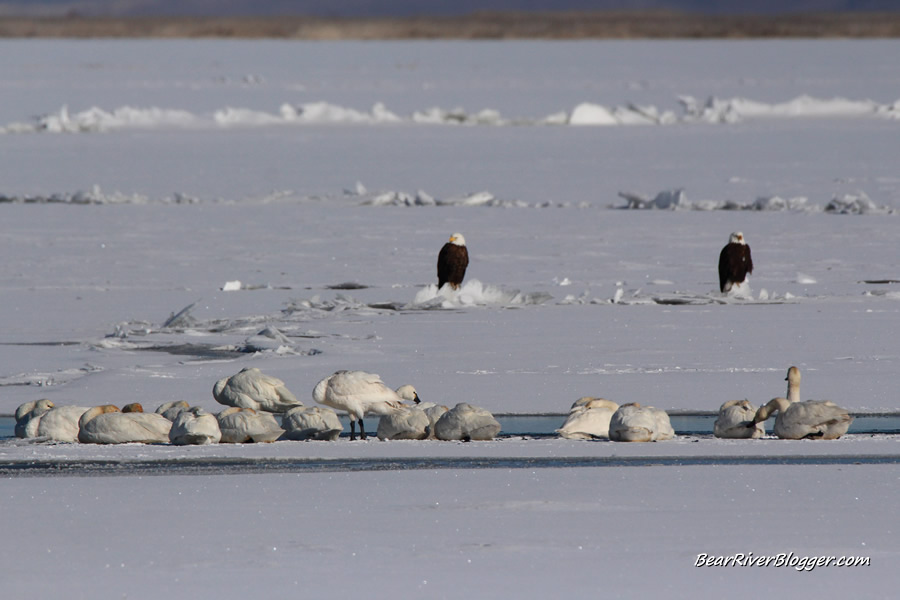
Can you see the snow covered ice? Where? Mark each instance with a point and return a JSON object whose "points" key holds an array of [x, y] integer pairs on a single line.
{"points": [[176, 211]]}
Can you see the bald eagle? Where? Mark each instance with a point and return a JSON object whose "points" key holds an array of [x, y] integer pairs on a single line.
{"points": [[734, 262], [452, 262]]}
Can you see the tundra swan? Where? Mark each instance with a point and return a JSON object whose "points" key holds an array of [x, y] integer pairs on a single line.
{"points": [[250, 388], [311, 423], [466, 422], [358, 394], [813, 419], [734, 420], [408, 393], [61, 423], [434, 412], [242, 425], [170, 410], [635, 423], [411, 423], [195, 426], [588, 419], [107, 425], [28, 416]]}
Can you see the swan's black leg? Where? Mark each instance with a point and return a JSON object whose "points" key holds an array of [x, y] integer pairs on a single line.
{"points": [[362, 430], [352, 430]]}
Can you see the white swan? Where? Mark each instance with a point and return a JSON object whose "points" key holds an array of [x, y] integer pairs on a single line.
{"points": [[311, 423], [61, 423], [734, 421], [812, 419], [358, 394], [588, 419], [171, 410], [411, 423], [195, 426], [466, 422], [635, 423], [107, 425], [250, 388], [243, 425], [434, 412], [408, 393], [28, 417]]}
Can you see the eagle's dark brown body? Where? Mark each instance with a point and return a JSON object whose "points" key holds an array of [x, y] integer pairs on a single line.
{"points": [[452, 262], [735, 262]]}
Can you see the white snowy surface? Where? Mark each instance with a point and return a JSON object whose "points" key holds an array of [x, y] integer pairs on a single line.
{"points": [[168, 204], [626, 532]]}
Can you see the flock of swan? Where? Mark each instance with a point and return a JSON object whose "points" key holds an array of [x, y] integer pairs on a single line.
{"points": [[592, 418], [261, 408], [254, 401]]}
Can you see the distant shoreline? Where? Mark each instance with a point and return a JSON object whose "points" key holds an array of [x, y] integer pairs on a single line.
{"points": [[599, 25]]}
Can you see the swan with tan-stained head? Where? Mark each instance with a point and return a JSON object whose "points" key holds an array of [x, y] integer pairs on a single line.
{"points": [[107, 425], [588, 419]]}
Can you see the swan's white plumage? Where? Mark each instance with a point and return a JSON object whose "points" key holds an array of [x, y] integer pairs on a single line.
{"points": [[408, 393], [434, 412], [251, 388], [734, 420], [195, 426], [357, 393], [813, 419], [171, 410], [60, 424], [28, 417], [411, 423], [311, 423], [106, 425], [28, 407], [588, 419], [245, 425], [635, 423], [466, 422]]}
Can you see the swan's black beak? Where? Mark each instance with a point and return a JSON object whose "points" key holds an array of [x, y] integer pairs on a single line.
{"points": [[416, 398]]}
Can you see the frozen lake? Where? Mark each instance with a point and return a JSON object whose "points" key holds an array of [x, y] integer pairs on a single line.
{"points": [[595, 183]]}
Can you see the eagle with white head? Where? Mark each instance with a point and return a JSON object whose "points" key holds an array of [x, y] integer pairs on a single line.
{"points": [[735, 262], [452, 262]]}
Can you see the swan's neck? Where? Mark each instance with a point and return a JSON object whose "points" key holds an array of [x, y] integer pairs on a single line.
{"points": [[793, 392], [766, 410]]}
